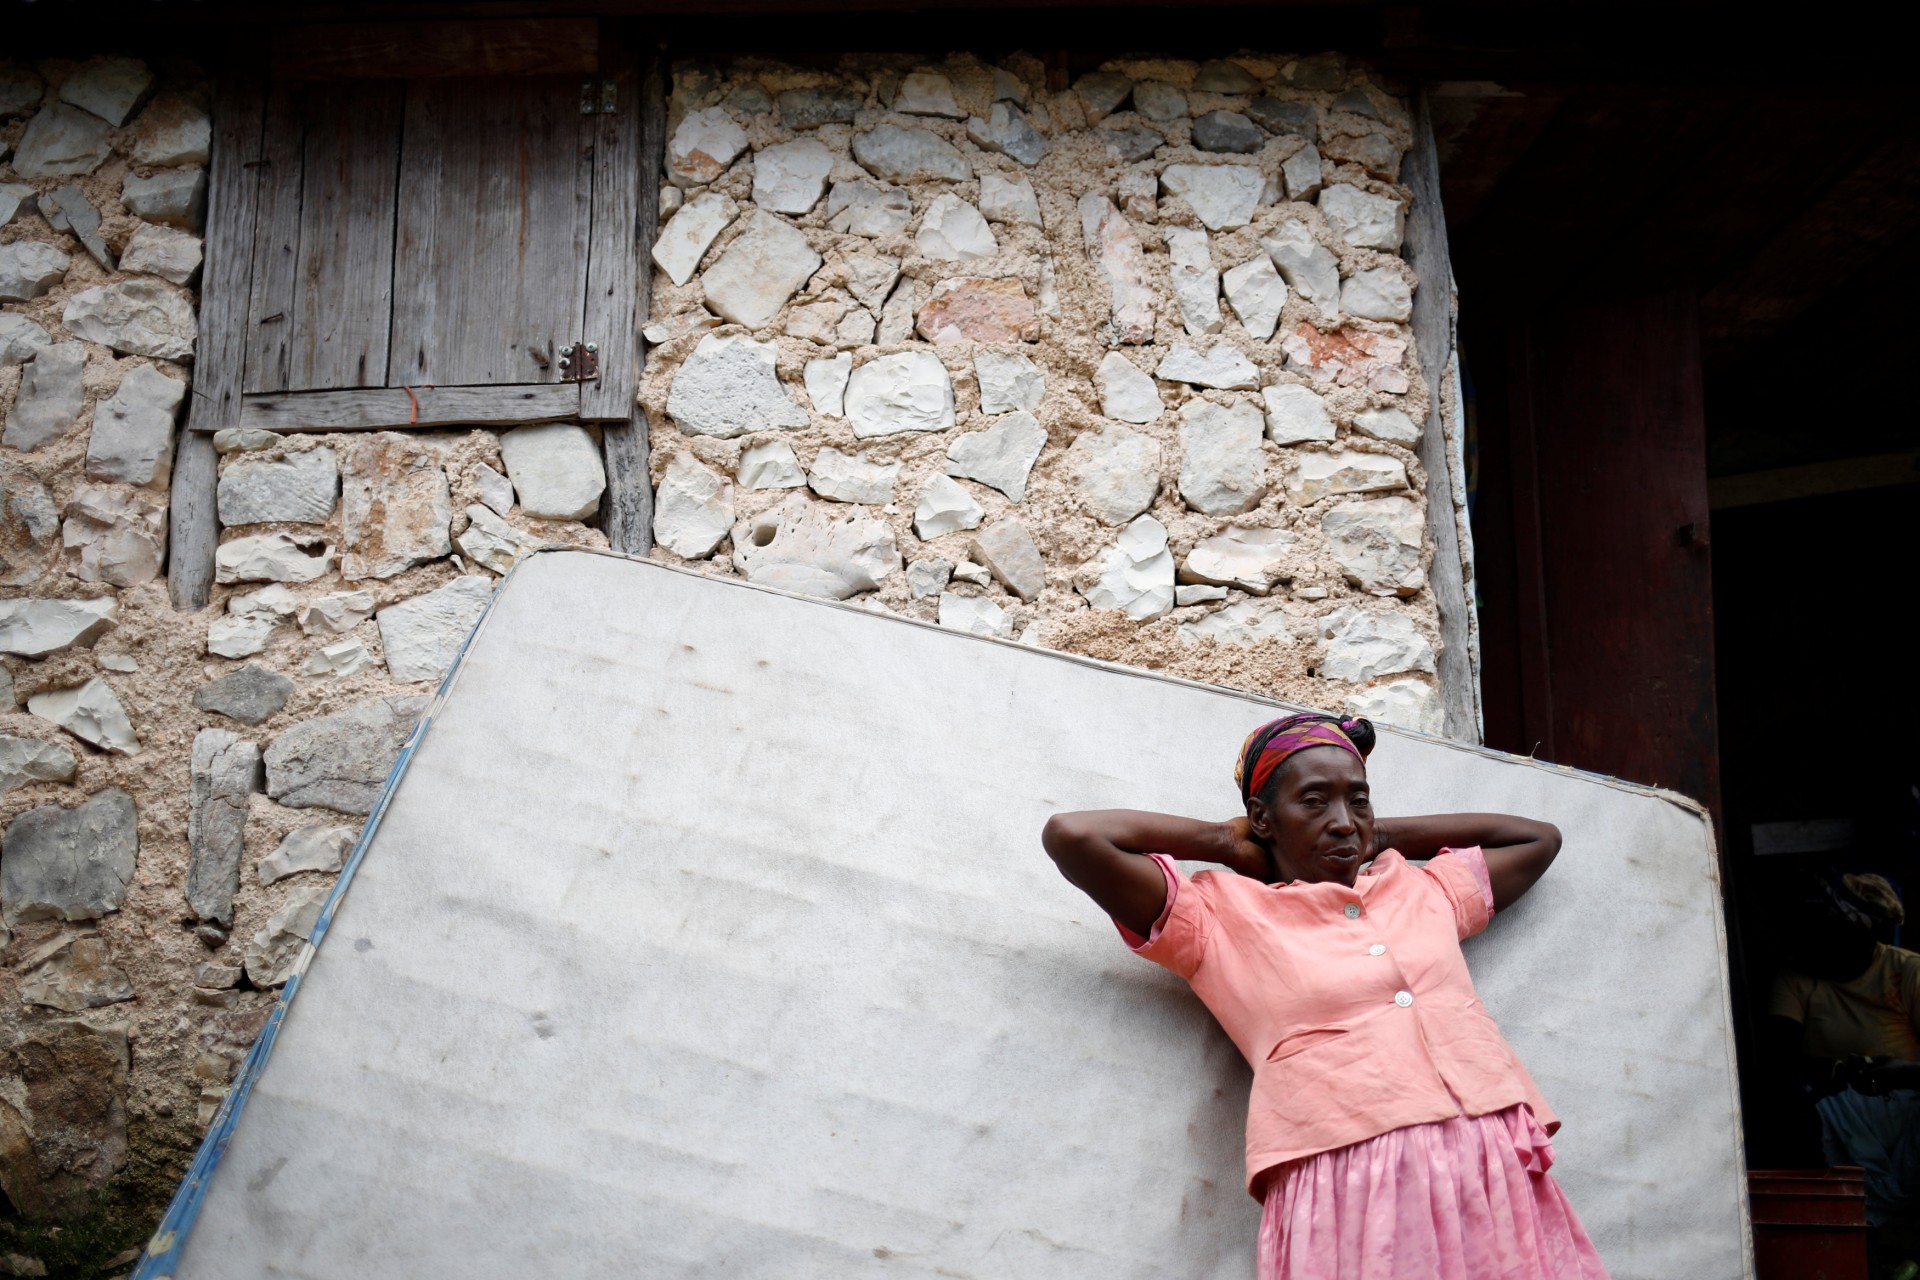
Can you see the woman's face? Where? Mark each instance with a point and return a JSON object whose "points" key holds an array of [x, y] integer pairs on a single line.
{"points": [[1316, 816]]}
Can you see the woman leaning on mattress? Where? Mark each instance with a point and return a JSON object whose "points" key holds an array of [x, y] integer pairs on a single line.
{"points": [[1392, 1134]]}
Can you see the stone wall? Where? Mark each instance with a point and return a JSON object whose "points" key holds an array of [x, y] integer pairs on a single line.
{"points": [[1121, 368]]}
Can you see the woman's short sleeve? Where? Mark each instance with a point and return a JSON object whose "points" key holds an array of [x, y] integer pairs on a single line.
{"points": [[1462, 876], [1178, 939]]}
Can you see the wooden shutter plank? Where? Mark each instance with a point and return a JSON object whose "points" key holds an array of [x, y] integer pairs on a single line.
{"points": [[413, 50], [233, 179], [629, 501], [275, 251], [500, 283], [612, 254], [379, 408], [344, 277]]}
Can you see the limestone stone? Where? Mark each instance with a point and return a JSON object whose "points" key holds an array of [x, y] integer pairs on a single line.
{"points": [[139, 317], [91, 713], [272, 598], [894, 154], [1195, 593], [1196, 284], [1008, 200], [843, 477], [1296, 413], [1306, 264], [492, 488], [1373, 151], [1221, 366], [1221, 195], [336, 614], [8, 701], [1379, 294], [1135, 193], [1365, 646], [1222, 466], [172, 130], [1349, 357], [1303, 173], [1008, 87], [690, 232], [20, 90], [1115, 249], [927, 93], [60, 142], [273, 557], [319, 846], [951, 230], [818, 320], [1126, 392], [759, 271], [1326, 71], [1134, 142], [811, 108], [826, 382], [29, 529], [1362, 219], [1116, 470], [395, 504], [244, 440], [1358, 102], [27, 760], [176, 197], [1250, 559], [49, 398], [864, 208], [422, 636], [117, 536], [770, 467], [1227, 131], [680, 323], [79, 976], [1220, 76], [1408, 704], [36, 628], [276, 946], [1135, 575], [1007, 130], [342, 658], [490, 542], [20, 338], [1007, 549], [69, 864], [70, 1079], [908, 391], [555, 468], [1008, 382], [240, 635], [693, 508], [1388, 424], [303, 488], [728, 387], [815, 549], [1322, 475], [1378, 544], [928, 577], [1101, 93], [1001, 456], [975, 615], [107, 87], [944, 507], [69, 210], [226, 772], [896, 317], [252, 695], [1246, 625], [790, 177], [29, 268], [12, 194], [702, 147], [1257, 294], [132, 437], [1277, 115], [870, 277], [977, 309], [1158, 100], [340, 761], [978, 574]]}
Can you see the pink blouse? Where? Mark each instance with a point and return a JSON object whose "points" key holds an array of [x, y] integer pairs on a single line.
{"points": [[1353, 1005]]}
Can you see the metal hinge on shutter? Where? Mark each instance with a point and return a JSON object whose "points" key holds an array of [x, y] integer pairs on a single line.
{"points": [[599, 97], [580, 362]]}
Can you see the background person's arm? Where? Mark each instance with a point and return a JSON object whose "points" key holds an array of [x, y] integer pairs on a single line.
{"points": [[1103, 852], [1518, 850]]}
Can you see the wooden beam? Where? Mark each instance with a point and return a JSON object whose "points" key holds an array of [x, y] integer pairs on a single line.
{"points": [[1433, 338], [1783, 484], [613, 250], [417, 50], [379, 409], [193, 526], [629, 509]]}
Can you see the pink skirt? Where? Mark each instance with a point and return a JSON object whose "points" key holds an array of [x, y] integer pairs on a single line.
{"points": [[1464, 1199]]}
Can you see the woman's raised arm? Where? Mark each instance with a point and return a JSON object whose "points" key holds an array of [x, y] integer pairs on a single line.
{"points": [[1103, 852], [1519, 850]]}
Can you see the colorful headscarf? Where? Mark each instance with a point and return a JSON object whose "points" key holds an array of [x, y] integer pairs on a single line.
{"points": [[1267, 747]]}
